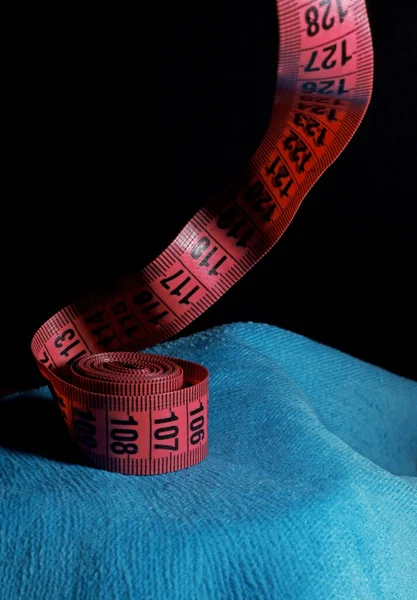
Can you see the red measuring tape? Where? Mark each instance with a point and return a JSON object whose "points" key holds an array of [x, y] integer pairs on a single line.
{"points": [[144, 414]]}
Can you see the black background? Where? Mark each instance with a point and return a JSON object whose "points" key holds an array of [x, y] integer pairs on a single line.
{"points": [[122, 124]]}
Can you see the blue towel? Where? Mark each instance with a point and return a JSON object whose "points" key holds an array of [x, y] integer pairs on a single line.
{"points": [[309, 490]]}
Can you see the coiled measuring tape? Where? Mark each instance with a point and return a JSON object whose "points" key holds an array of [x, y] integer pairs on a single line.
{"points": [[141, 414]]}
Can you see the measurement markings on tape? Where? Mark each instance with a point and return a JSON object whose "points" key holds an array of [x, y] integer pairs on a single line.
{"points": [[143, 414]]}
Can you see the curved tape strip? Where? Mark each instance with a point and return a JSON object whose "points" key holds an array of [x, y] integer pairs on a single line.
{"points": [[136, 416]]}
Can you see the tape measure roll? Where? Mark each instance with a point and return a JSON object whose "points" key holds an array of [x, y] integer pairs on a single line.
{"points": [[144, 414]]}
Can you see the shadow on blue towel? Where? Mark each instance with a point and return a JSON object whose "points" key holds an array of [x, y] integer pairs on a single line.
{"points": [[309, 490]]}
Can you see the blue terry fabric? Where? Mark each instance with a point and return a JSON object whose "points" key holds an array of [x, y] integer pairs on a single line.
{"points": [[309, 490]]}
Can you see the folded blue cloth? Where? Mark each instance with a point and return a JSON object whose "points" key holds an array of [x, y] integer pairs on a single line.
{"points": [[309, 490]]}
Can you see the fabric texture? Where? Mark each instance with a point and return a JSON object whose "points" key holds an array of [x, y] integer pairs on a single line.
{"points": [[309, 490]]}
